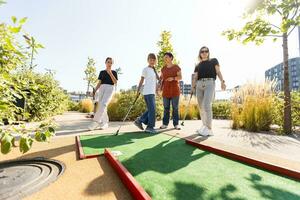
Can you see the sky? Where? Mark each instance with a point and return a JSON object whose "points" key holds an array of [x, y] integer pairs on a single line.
{"points": [[127, 30]]}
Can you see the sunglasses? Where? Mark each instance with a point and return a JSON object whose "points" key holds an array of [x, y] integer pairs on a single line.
{"points": [[204, 51]]}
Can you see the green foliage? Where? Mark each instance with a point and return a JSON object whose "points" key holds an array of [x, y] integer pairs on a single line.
{"points": [[42, 94], [221, 109], [278, 110], [261, 25], [73, 106], [252, 107], [90, 73], [41, 133], [44, 98], [164, 46], [121, 102]]}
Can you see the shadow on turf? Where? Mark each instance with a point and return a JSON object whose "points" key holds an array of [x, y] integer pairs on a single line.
{"points": [[269, 192], [165, 157]]}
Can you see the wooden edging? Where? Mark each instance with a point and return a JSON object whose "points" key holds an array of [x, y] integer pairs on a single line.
{"points": [[257, 163], [132, 185], [80, 150]]}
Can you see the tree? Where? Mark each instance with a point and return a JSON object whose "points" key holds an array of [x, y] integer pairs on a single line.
{"points": [[90, 74], [274, 19], [13, 56], [164, 46]]}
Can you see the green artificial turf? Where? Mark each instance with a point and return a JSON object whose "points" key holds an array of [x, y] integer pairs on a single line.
{"points": [[167, 168]]}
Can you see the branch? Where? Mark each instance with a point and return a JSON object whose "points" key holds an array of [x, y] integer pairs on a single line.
{"points": [[296, 11], [275, 26], [291, 30], [279, 36], [275, 8]]}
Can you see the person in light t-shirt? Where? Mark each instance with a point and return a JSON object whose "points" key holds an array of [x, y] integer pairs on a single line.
{"points": [[150, 77]]}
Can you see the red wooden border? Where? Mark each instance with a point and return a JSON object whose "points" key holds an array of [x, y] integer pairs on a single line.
{"points": [[80, 150], [132, 185], [267, 166]]}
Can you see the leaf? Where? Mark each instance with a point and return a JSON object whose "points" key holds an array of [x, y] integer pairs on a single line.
{"points": [[23, 20], [14, 19], [25, 144], [6, 143], [51, 130]]}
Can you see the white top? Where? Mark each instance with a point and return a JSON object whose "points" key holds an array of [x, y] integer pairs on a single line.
{"points": [[150, 81]]}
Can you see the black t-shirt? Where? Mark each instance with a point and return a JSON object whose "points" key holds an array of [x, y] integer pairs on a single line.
{"points": [[206, 69], [105, 78]]}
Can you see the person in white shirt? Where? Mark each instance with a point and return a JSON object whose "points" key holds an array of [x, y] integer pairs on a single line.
{"points": [[150, 77]]}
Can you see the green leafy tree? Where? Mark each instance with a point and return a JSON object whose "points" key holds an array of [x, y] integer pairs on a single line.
{"points": [[90, 74], [275, 19], [13, 57], [164, 45]]}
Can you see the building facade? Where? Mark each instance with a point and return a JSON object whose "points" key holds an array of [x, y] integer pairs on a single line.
{"points": [[276, 73]]}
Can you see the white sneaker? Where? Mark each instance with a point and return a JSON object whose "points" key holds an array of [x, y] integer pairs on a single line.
{"points": [[199, 131], [177, 127], [93, 126], [104, 126], [163, 126], [204, 131], [209, 132]]}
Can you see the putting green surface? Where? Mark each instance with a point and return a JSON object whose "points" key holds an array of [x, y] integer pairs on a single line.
{"points": [[167, 168]]}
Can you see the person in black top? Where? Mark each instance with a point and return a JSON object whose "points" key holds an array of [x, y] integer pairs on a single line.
{"points": [[107, 80], [205, 74]]}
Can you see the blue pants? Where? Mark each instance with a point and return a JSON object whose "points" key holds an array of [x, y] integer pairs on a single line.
{"points": [[175, 115], [148, 117]]}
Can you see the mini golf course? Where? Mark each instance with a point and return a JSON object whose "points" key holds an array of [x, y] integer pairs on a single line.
{"points": [[167, 168]]}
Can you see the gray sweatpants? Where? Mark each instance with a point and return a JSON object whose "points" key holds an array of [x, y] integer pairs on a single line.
{"points": [[205, 91]]}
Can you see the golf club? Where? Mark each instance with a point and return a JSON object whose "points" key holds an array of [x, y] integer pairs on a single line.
{"points": [[187, 108], [136, 98]]}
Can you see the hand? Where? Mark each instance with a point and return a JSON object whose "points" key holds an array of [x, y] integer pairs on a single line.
{"points": [[193, 90], [170, 79], [223, 86]]}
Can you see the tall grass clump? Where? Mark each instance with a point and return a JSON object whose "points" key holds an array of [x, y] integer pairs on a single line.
{"points": [[252, 106]]}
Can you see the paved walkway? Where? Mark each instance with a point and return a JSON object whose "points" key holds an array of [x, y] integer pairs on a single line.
{"points": [[280, 150]]}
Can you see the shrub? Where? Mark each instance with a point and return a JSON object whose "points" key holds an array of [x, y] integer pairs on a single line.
{"points": [[86, 106], [278, 110], [221, 109], [43, 96], [73, 106], [252, 107]]}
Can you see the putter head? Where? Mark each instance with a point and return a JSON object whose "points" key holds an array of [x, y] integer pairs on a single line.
{"points": [[117, 133], [182, 123]]}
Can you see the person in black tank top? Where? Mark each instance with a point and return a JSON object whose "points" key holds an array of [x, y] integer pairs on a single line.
{"points": [[205, 74]]}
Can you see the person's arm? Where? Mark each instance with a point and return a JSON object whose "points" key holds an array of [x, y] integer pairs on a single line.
{"points": [[194, 81], [220, 76], [140, 84], [97, 87], [179, 76], [113, 78]]}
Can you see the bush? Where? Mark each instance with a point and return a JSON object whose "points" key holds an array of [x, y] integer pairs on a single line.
{"points": [[44, 98], [221, 109], [73, 106], [252, 107], [86, 106], [278, 110], [121, 102]]}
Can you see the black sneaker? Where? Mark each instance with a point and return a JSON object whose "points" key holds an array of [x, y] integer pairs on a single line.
{"points": [[138, 124]]}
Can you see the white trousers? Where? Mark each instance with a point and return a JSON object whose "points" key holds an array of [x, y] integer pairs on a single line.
{"points": [[105, 94]]}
